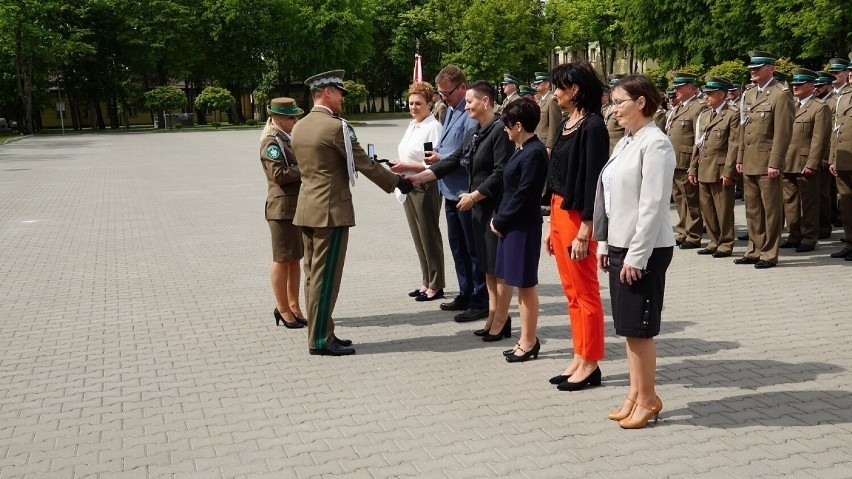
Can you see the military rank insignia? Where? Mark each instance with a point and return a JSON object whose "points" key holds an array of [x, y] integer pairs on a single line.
{"points": [[273, 152]]}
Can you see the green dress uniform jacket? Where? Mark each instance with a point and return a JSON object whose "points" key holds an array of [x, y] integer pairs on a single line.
{"points": [[768, 126], [716, 156], [283, 178], [809, 141], [547, 129]]}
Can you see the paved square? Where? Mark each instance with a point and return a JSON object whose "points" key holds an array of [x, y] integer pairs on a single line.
{"points": [[138, 341]]}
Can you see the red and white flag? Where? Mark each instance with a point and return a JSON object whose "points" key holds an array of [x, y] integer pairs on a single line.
{"points": [[418, 69]]}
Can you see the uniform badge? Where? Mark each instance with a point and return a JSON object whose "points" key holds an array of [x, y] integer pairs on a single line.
{"points": [[352, 136], [273, 152]]}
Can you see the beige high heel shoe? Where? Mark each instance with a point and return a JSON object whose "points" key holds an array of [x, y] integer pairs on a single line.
{"points": [[617, 415], [640, 419]]}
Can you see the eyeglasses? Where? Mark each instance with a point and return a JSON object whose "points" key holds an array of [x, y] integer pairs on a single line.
{"points": [[618, 103], [448, 93]]}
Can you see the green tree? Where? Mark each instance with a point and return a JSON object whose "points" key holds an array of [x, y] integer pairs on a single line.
{"points": [[165, 99], [733, 70], [357, 95], [581, 22], [215, 98]]}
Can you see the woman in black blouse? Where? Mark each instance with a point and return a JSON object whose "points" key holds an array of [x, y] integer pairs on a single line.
{"points": [[483, 152], [576, 160]]}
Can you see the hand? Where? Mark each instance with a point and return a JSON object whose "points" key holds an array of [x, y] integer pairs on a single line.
{"points": [[825, 164], [832, 169], [405, 167], [603, 262], [432, 157], [494, 230], [579, 249], [726, 181], [692, 179], [465, 202], [404, 185], [808, 171], [548, 245], [773, 172], [629, 274], [417, 179], [740, 168]]}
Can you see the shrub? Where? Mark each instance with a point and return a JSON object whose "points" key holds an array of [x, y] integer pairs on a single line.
{"points": [[178, 126], [251, 122], [215, 124]]}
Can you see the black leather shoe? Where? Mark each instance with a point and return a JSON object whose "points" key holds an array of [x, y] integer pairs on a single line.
{"points": [[532, 353], [279, 320], [423, 297], [788, 245], [849, 257], [721, 254], [457, 304], [824, 235], [743, 237], [842, 253], [593, 379], [678, 242], [763, 264], [706, 251], [688, 245], [342, 342], [332, 349], [746, 260], [471, 315], [506, 332], [804, 248], [415, 293], [302, 320], [559, 379]]}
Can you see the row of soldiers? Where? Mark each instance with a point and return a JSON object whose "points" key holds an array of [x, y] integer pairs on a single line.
{"points": [[792, 147]]}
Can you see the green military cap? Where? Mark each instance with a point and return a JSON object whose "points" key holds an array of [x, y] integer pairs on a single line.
{"points": [[540, 77], [778, 76], [284, 106], [330, 78], [510, 79], [717, 84], [526, 90], [735, 85], [837, 65], [615, 78], [760, 58], [824, 78], [670, 92], [682, 78], [803, 75]]}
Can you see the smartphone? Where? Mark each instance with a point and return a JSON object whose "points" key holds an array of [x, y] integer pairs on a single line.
{"points": [[371, 151], [427, 147]]}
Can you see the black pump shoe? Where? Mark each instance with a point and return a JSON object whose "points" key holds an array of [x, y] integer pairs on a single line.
{"points": [[559, 379], [593, 379], [416, 293], [279, 320], [506, 332], [532, 353], [509, 352]]}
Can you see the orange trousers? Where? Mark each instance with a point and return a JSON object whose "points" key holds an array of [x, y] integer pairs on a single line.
{"points": [[579, 281]]}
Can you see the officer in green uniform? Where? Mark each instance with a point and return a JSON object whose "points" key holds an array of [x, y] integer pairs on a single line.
{"points": [[840, 165], [510, 89], [616, 131], [766, 122], [526, 91], [547, 129], [829, 214], [329, 157]]}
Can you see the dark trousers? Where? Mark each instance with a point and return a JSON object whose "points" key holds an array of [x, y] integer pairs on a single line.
{"points": [[460, 237]]}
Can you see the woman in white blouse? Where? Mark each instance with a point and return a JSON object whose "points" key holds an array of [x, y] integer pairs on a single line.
{"points": [[423, 205], [633, 226]]}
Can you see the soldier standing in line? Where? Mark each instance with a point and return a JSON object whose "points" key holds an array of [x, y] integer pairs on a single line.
{"points": [[616, 131], [808, 148], [329, 156], [551, 113], [840, 165], [713, 166], [526, 91], [829, 214], [510, 89], [439, 106], [766, 122], [681, 130]]}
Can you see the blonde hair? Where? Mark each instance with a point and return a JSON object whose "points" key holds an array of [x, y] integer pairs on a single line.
{"points": [[269, 128]]}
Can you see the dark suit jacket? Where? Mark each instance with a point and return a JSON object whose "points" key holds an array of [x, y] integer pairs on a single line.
{"points": [[524, 175], [485, 169], [282, 176]]}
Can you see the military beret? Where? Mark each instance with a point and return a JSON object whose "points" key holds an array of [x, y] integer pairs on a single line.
{"points": [[683, 78], [615, 78], [540, 77], [526, 90], [803, 75], [824, 78], [284, 106], [509, 79], [717, 84], [330, 78], [837, 64], [760, 58]]}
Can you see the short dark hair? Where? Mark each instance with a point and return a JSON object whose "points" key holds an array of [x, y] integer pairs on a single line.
{"points": [[524, 111], [483, 88], [583, 74], [640, 85], [452, 74]]}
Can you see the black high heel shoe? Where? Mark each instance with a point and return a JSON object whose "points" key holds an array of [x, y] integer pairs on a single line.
{"points": [[532, 353], [509, 352], [481, 332], [506, 332], [593, 379], [279, 320], [559, 379]]}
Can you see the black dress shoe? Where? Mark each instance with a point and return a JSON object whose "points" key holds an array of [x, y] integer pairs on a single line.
{"points": [[457, 304], [788, 245], [342, 342], [824, 235], [743, 237], [531, 354], [506, 332], [302, 320], [423, 297], [688, 245], [746, 260], [804, 248], [559, 379], [334, 348], [763, 264], [593, 379], [706, 251], [678, 242], [416, 293], [721, 254], [842, 253], [848, 257], [471, 315], [279, 320], [480, 332]]}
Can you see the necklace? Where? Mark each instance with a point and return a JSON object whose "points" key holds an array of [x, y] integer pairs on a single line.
{"points": [[567, 130]]}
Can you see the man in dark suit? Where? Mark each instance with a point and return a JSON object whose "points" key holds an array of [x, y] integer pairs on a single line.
{"points": [[329, 155]]}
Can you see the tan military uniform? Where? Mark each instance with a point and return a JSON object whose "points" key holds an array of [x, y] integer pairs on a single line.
{"points": [[828, 211], [714, 156], [551, 117], [616, 131], [506, 101], [764, 140], [808, 147], [840, 155], [660, 119], [283, 180], [325, 211], [681, 131], [439, 111]]}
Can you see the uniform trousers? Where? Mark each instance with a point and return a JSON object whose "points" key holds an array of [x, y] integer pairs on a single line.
{"points": [[844, 189], [579, 282], [764, 216], [828, 212], [801, 208], [689, 226], [325, 253], [422, 211], [717, 211]]}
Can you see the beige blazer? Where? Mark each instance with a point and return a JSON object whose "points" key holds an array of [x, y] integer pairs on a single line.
{"points": [[325, 200], [638, 217], [809, 144]]}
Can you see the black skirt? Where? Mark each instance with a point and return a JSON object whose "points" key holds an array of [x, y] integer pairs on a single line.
{"points": [[637, 308]]}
